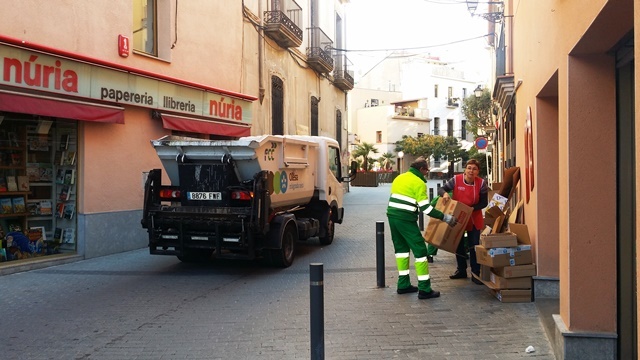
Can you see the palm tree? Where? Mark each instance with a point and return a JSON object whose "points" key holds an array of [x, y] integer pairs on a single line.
{"points": [[387, 160], [364, 150]]}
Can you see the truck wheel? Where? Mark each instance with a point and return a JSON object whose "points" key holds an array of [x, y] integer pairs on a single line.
{"points": [[327, 239], [284, 256], [195, 256]]}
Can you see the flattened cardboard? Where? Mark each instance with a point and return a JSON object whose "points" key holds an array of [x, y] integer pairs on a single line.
{"points": [[440, 234], [514, 213], [522, 233], [491, 214], [498, 224], [498, 240], [515, 271], [510, 179], [499, 257]]}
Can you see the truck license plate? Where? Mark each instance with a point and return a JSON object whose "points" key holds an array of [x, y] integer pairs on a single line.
{"points": [[204, 196]]}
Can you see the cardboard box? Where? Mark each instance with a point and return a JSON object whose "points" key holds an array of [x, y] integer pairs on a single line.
{"points": [[497, 200], [515, 271], [485, 273], [443, 236], [499, 282], [522, 233], [495, 282], [499, 240], [512, 296], [499, 257], [494, 218]]}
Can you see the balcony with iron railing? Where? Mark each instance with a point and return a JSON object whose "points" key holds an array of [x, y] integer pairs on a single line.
{"points": [[319, 51], [342, 76], [283, 25]]}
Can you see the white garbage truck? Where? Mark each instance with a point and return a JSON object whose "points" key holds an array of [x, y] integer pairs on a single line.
{"points": [[251, 198]]}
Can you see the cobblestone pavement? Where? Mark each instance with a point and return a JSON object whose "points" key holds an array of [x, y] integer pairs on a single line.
{"points": [[138, 306]]}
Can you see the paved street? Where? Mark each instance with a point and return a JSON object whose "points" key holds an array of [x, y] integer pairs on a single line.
{"points": [[137, 306]]}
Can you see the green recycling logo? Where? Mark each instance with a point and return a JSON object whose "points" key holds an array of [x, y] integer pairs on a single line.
{"points": [[280, 182]]}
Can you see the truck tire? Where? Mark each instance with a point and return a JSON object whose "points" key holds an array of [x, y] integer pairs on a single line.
{"points": [[195, 256], [284, 256], [327, 239]]}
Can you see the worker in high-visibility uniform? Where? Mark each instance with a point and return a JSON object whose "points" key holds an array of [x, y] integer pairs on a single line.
{"points": [[408, 197]]}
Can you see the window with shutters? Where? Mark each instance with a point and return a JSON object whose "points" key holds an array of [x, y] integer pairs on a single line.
{"points": [[314, 116], [277, 106], [339, 128]]}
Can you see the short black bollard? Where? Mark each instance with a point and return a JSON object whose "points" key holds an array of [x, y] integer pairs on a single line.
{"points": [[380, 252], [421, 220], [316, 295]]}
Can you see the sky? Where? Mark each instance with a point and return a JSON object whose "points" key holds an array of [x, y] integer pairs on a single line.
{"points": [[440, 28]]}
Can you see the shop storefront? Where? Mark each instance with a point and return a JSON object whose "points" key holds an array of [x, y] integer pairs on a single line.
{"points": [[57, 117], [38, 177]]}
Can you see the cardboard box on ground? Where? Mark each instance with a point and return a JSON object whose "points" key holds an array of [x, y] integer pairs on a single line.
{"points": [[440, 234], [504, 252]]}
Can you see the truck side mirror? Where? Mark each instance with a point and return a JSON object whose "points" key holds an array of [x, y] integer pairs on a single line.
{"points": [[352, 172]]}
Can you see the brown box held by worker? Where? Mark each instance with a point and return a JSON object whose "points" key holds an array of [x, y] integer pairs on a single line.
{"points": [[440, 234]]}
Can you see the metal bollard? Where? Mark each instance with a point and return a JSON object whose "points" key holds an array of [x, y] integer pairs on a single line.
{"points": [[380, 252], [316, 295], [421, 220]]}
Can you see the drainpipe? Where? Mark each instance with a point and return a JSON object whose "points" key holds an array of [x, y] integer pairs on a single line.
{"points": [[261, 53]]}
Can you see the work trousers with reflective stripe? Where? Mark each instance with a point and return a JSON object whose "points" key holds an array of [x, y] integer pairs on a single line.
{"points": [[406, 236]]}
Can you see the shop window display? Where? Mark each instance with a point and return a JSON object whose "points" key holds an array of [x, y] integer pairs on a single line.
{"points": [[38, 160]]}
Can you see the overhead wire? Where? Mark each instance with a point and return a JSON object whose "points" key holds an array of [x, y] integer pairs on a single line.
{"points": [[415, 48]]}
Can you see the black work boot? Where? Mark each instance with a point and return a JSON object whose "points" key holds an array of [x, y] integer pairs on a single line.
{"points": [[410, 289], [428, 295], [459, 275]]}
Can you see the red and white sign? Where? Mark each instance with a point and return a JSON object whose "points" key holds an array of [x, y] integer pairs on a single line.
{"points": [[123, 46], [35, 71], [481, 142]]}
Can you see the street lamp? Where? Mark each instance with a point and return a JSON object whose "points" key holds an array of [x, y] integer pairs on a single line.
{"points": [[400, 156], [495, 17], [478, 91]]}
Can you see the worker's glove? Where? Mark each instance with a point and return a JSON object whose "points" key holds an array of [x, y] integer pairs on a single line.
{"points": [[450, 220]]}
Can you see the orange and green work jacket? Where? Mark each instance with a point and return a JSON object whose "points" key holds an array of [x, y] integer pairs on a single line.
{"points": [[409, 196]]}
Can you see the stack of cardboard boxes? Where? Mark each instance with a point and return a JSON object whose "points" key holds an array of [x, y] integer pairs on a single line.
{"points": [[506, 263], [504, 254]]}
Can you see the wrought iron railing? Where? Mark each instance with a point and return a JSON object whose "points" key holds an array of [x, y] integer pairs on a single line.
{"points": [[320, 46], [290, 15], [341, 73]]}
